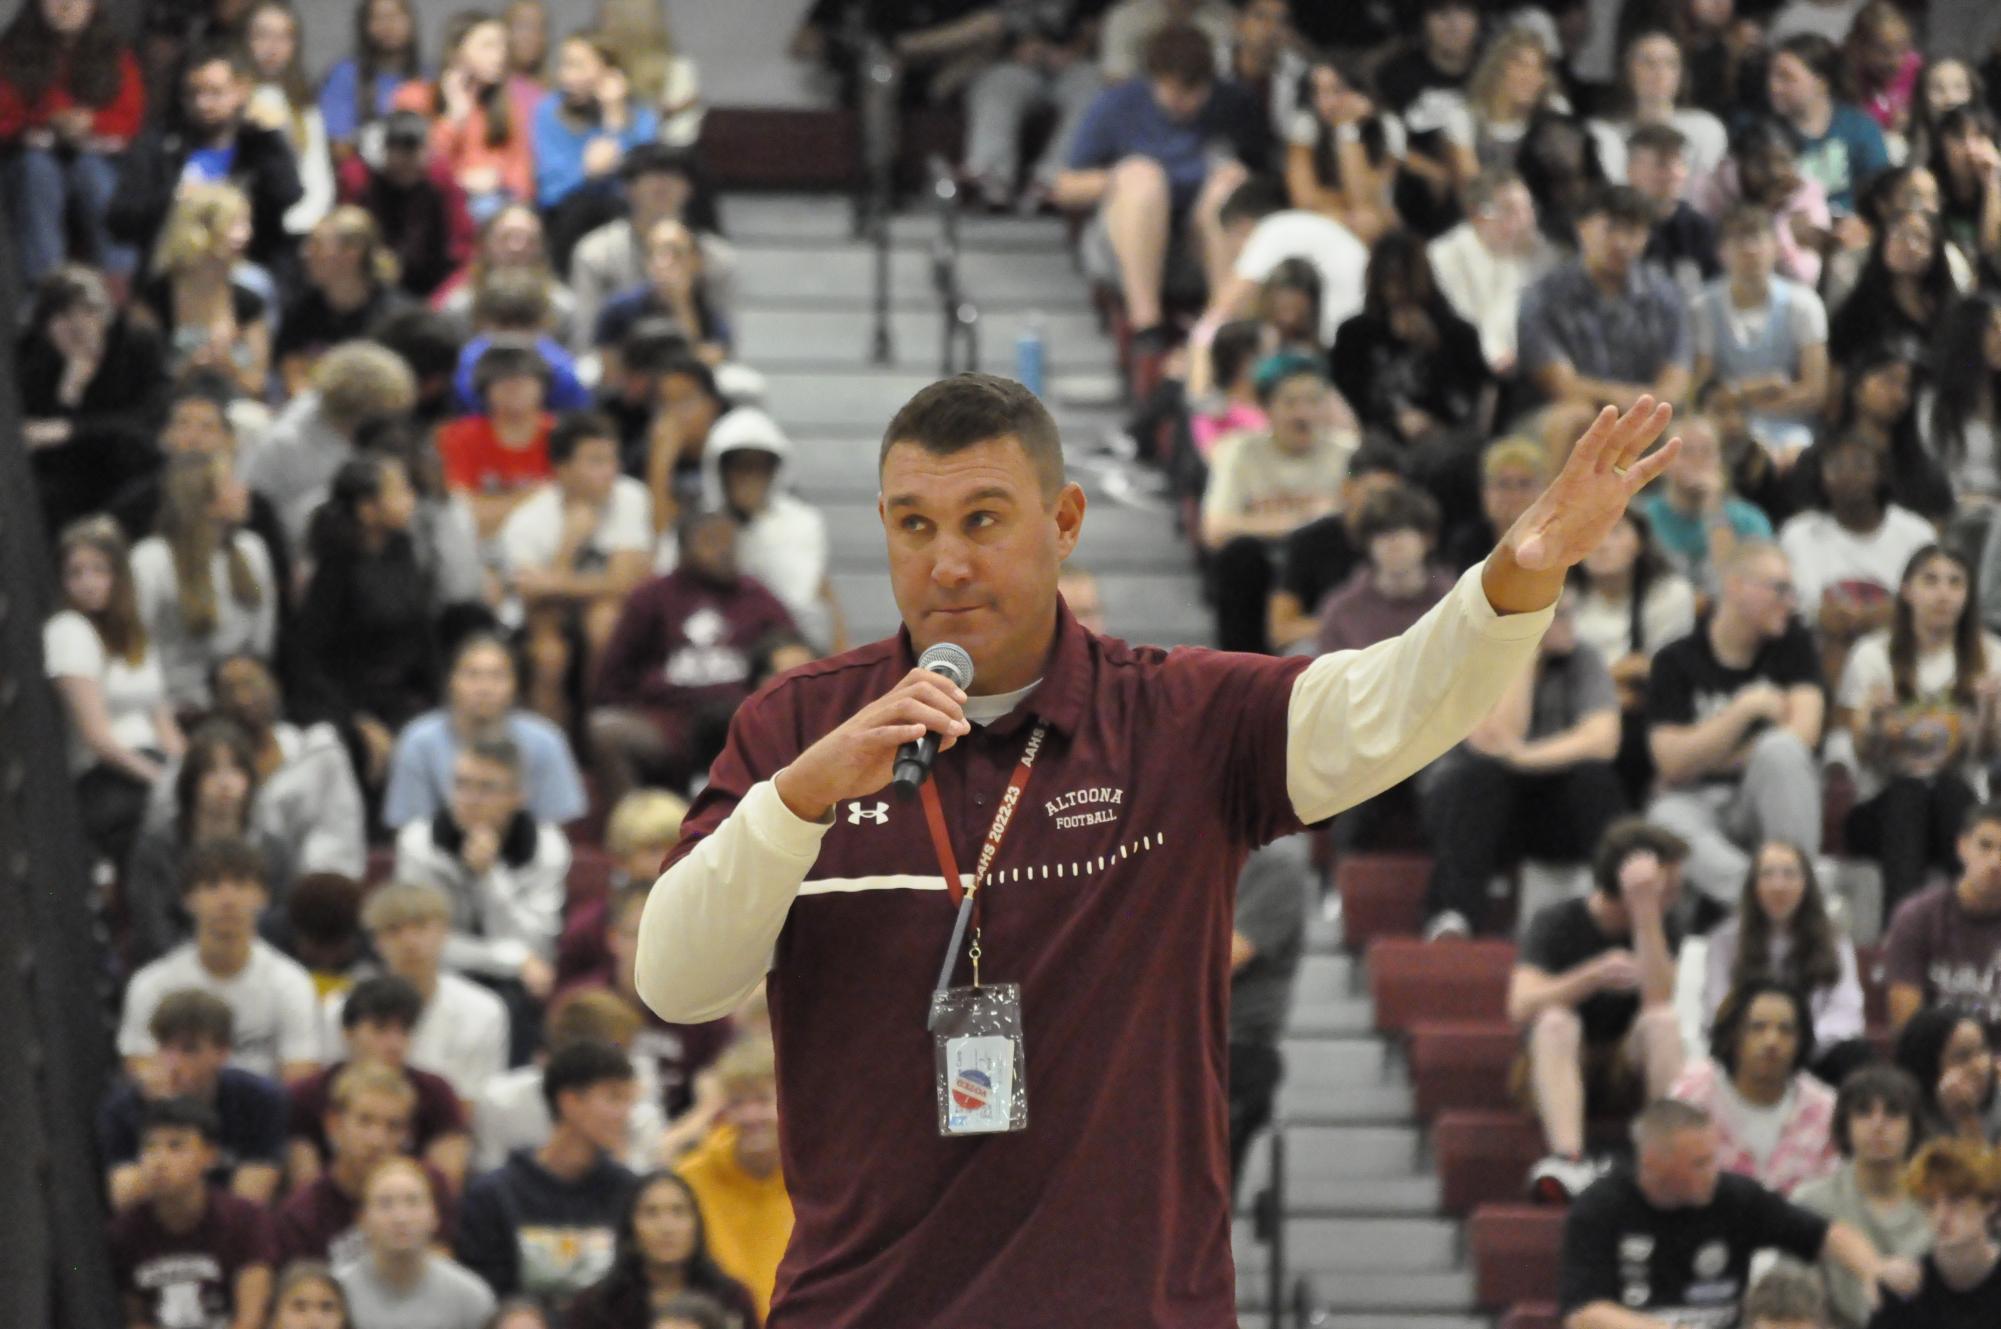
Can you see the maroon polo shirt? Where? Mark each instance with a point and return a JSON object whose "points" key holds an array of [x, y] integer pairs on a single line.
{"points": [[1110, 904]]}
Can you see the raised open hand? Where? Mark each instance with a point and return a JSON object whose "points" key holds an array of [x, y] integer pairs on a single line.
{"points": [[1585, 500]]}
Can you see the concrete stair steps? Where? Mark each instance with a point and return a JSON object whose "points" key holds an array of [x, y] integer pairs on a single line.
{"points": [[758, 219], [776, 338], [1316, 1245], [803, 276]]}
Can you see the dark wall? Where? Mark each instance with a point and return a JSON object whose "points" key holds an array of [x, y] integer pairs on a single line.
{"points": [[55, 1048]]}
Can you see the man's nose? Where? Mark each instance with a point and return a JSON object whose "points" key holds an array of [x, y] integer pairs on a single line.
{"points": [[952, 563]]}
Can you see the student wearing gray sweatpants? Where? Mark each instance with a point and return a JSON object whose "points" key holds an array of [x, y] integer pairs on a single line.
{"points": [[1734, 714]]}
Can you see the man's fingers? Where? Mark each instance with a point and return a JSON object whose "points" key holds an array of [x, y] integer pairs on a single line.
{"points": [[1591, 448], [1643, 472], [1638, 429]]}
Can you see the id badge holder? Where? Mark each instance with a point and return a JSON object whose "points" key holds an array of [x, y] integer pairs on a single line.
{"points": [[982, 1084]]}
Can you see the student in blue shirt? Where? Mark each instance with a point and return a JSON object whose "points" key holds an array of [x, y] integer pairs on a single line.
{"points": [[1155, 158], [1840, 147]]}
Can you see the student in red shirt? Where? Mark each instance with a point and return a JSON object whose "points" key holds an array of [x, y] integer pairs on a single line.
{"points": [[71, 98], [498, 458]]}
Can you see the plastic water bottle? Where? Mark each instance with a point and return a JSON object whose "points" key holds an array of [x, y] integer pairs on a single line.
{"points": [[1029, 356]]}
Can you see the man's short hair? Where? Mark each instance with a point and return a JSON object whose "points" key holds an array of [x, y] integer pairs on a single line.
{"points": [[1786, 1296], [653, 345], [1622, 205], [966, 410], [179, 1114], [1742, 221], [1728, 1028], [1180, 53], [204, 384], [513, 299], [1486, 186], [1399, 508], [656, 159], [746, 1067], [1989, 811], [1275, 371], [192, 1015], [575, 428], [399, 903], [1821, 57], [382, 999], [1661, 140], [1950, 1168], [596, 1015], [577, 1066], [218, 50], [325, 908], [644, 817], [1375, 457], [360, 380], [1254, 200], [1628, 836], [497, 750], [362, 1078], [223, 858], [508, 359], [1878, 1084], [1666, 1117], [1514, 450]]}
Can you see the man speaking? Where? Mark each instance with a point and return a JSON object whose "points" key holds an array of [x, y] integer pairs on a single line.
{"points": [[1044, 1145]]}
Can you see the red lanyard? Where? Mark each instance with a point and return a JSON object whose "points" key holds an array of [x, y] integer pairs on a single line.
{"points": [[941, 839]]}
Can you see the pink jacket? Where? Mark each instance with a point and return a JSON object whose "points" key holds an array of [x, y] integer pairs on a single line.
{"points": [[1806, 1141]]}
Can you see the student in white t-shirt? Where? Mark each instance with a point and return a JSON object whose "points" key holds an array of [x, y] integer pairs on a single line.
{"points": [[463, 1031], [274, 1008], [95, 649], [572, 551], [1848, 556], [1916, 721], [205, 584]]}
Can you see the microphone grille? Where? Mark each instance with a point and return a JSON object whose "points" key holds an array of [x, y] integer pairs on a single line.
{"points": [[951, 661]]}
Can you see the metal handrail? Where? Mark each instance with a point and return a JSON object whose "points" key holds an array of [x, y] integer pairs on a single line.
{"points": [[1268, 1222], [881, 89], [961, 331]]}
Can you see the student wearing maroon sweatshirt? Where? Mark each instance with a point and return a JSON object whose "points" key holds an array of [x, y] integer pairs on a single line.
{"points": [[679, 662], [192, 1253]]}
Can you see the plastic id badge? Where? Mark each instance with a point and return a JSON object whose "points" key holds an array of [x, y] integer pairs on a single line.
{"points": [[982, 1086]]}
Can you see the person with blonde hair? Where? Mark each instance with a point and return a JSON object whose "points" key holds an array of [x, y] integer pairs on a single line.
{"points": [[106, 670], [735, 1172], [212, 316], [398, 1279], [204, 583], [461, 1031], [1513, 83], [352, 385], [351, 275], [1959, 1184], [369, 1110]]}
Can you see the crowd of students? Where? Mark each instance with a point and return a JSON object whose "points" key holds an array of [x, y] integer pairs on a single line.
{"points": [[395, 452], [415, 516]]}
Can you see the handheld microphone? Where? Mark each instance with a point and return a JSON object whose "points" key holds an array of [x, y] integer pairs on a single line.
{"points": [[913, 760]]}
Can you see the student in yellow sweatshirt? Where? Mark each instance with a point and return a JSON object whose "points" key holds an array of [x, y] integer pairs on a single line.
{"points": [[735, 1175]]}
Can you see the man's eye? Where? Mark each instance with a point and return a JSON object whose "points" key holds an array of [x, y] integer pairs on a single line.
{"points": [[979, 519]]}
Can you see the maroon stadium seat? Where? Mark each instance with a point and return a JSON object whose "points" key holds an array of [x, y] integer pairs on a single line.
{"points": [[1515, 1252], [1414, 981], [590, 874], [1484, 1157], [1460, 1065], [1382, 895], [1536, 1315]]}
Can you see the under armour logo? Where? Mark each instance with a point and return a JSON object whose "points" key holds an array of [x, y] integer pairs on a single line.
{"points": [[857, 814]]}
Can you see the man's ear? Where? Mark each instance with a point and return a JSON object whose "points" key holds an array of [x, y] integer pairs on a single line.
{"points": [[1069, 513]]}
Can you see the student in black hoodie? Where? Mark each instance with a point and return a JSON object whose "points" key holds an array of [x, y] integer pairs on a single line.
{"points": [[212, 142], [546, 1223]]}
